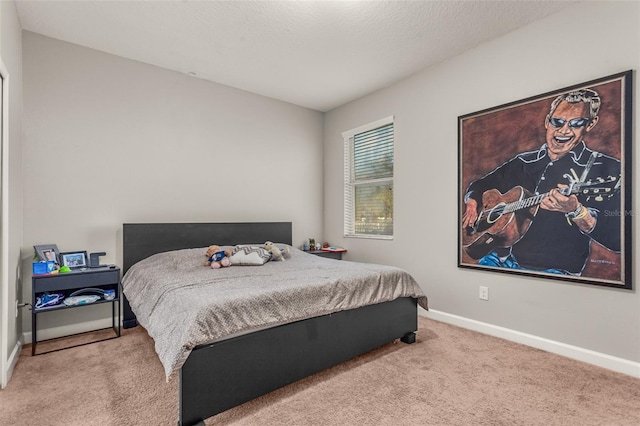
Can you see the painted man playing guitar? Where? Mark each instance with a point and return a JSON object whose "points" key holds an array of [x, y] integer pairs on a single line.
{"points": [[541, 209]]}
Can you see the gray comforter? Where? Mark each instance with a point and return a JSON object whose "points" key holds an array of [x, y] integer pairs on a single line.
{"points": [[182, 303]]}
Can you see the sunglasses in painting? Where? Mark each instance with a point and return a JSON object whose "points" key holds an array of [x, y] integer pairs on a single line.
{"points": [[575, 123]]}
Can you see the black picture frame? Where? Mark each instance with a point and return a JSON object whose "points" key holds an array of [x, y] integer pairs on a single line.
{"points": [[497, 144], [74, 259], [44, 252]]}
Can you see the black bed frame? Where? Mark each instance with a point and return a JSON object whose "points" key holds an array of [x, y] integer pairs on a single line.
{"points": [[227, 373]]}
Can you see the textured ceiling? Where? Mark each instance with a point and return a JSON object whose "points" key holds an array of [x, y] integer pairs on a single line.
{"points": [[317, 54]]}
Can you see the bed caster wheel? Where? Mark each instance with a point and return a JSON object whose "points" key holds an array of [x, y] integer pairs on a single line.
{"points": [[409, 338]]}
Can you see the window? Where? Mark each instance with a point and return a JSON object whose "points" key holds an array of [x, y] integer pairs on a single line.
{"points": [[368, 180]]}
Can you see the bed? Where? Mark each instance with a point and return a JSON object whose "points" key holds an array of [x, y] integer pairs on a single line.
{"points": [[227, 371]]}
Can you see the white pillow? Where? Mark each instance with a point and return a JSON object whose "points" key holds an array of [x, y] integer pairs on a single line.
{"points": [[249, 255]]}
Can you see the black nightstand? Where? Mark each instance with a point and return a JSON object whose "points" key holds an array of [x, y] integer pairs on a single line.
{"points": [[328, 254], [104, 278]]}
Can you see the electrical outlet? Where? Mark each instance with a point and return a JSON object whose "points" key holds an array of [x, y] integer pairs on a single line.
{"points": [[484, 293]]}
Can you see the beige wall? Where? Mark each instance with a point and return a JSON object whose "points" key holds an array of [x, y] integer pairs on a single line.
{"points": [[110, 140], [591, 40], [11, 53]]}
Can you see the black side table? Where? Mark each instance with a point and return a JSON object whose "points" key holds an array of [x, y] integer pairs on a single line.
{"points": [[103, 278], [328, 254]]}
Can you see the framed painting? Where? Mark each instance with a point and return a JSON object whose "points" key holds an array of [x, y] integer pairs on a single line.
{"points": [[545, 185]]}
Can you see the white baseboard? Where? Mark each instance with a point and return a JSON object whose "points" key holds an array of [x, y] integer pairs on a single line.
{"points": [[13, 359], [67, 330], [620, 365]]}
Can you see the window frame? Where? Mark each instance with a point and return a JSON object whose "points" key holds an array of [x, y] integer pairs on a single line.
{"points": [[349, 184]]}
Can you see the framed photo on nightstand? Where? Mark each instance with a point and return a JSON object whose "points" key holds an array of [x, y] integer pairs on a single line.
{"points": [[75, 259], [47, 252]]}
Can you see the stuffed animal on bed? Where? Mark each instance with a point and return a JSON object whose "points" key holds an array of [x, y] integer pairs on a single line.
{"points": [[217, 258], [277, 253]]}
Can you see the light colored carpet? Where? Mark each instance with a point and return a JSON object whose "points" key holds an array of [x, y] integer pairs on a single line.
{"points": [[450, 376]]}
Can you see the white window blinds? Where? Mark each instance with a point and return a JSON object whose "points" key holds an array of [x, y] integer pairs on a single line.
{"points": [[368, 180]]}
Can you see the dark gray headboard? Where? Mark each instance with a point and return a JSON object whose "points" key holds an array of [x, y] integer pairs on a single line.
{"points": [[141, 240]]}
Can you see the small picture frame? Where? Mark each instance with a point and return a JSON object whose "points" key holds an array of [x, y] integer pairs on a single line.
{"points": [[74, 259], [47, 252]]}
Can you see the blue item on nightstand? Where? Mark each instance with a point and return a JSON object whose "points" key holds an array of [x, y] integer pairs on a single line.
{"points": [[43, 267]]}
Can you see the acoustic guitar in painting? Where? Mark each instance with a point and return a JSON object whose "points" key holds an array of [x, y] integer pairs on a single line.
{"points": [[505, 218]]}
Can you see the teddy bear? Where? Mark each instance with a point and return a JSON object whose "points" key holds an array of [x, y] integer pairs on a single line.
{"points": [[276, 252], [217, 258]]}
